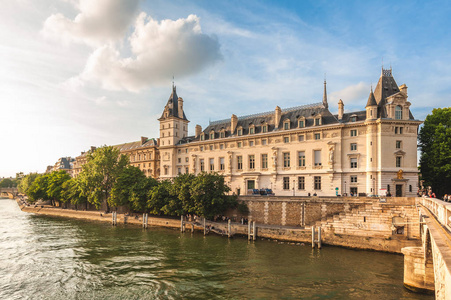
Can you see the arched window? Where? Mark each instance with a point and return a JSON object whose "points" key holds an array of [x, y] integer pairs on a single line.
{"points": [[398, 112]]}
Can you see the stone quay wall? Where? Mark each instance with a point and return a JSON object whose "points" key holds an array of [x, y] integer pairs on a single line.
{"points": [[356, 222]]}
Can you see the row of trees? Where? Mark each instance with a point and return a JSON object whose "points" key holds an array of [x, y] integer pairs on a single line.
{"points": [[107, 178]]}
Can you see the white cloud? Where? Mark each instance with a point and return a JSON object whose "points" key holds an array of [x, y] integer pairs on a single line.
{"points": [[160, 50], [98, 22], [352, 94]]}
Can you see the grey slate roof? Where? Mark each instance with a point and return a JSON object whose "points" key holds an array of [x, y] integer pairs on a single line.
{"points": [[386, 86], [173, 105], [371, 100], [136, 145]]}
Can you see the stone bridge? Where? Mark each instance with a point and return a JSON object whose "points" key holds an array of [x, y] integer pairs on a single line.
{"points": [[8, 192], [428, 268]]}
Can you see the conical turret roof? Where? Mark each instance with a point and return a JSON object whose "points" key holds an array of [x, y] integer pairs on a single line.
{"points": [[371, 100]]}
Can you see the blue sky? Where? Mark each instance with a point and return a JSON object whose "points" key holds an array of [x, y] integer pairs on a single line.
{"points": [[77, 73]]}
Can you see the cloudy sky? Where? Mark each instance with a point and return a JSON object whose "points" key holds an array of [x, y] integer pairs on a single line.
{"points": [[76, 73]]}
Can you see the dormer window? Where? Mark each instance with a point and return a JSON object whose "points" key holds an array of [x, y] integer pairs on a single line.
{"points": [[240, 131], [252, 129], [222, 134], [286, 125], [353, 118], [301, 123], [212, 135], [317, 121], [202, 137], [398, 112], [264, 128]]}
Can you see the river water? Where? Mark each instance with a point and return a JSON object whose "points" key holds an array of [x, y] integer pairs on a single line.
{"points": [[57, 258]]}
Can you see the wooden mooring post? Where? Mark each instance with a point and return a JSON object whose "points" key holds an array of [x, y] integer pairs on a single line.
{"points": [[229, 228], [114, 220], [182, 224], [251, 230], [316, 239], [205, 228], [145, 216]]}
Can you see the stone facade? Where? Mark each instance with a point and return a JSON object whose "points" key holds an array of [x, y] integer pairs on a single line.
{"points": [[302, 150]]}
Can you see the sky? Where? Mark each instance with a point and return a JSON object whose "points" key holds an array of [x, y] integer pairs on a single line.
{"points": [[81, 73]]}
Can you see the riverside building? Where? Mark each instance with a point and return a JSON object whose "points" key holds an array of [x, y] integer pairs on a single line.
{"points": [[302, 150]]}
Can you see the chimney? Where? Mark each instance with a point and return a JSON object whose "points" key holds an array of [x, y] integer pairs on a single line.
{"points": [[278, 115], [180, 107], [233, 123], [403, 89], [341, 107], [143, 140], [198, 130]]}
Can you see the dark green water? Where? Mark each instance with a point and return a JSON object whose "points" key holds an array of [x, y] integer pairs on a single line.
{"points": [[56, 258]]}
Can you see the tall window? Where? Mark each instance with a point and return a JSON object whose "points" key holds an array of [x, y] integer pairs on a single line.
{"points": [[222, 134], [286, 160], [264, 128], [398, 161], [221, 164], [264, 161], [317, 181], [353, 163], [251, 130], [286, 183], [354, 132], [398, 144], [317, 121], [212, 136], [212, 164], [354, 178], [252, 162], [353, 146], [398, 112], [317, 157], [301, 183], [186, 170], [286, 125], [240, 131], [301, 123], [301, 159], [202, 165], [239, 160]]}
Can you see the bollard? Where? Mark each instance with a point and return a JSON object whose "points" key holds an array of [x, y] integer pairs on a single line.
{"points": [[319, 237], [205, 228], [313, 236], [249, 230], [229, 228], [254, 232]]}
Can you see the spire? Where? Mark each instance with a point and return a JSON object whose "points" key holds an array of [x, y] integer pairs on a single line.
{"points": [[325, 95], [371, 99]]}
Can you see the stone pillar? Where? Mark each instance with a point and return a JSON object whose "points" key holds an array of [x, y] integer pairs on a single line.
{"points": [[418, 276]]}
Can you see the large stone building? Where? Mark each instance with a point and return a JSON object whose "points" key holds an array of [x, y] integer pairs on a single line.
{"points": [[302, 150]]}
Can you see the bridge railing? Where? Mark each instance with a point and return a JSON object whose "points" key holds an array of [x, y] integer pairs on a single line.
{"points": [[440, 209]]}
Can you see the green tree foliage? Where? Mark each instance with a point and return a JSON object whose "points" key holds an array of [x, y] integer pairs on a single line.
{"points": [[38, 189], [131, 189], [435, 144], [55, 181], [181, 189], [73, 193], [26, 182], [100, 173], [160, 198], [7, 183], [209, 195]]}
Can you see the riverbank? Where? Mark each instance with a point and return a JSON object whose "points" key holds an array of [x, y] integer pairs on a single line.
{"points": [[364, 237]]}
